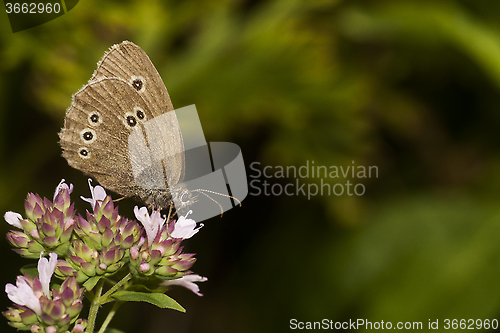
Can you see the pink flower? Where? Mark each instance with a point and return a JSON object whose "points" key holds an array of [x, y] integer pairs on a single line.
{"points": [[152, 224], [14, 219], [22, 294], [187, 281], [185, 228], [98, 194], [45, 270], [62, 185]]}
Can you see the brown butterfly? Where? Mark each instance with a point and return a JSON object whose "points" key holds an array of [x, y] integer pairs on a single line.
{"points": [[121, 130]]}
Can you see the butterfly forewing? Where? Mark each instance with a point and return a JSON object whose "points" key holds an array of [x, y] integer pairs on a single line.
{"points": [[121, 128], [130, 63]]}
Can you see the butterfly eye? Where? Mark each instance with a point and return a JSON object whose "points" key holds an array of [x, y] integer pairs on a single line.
{"points": [[84, 152], [88, 135], [138, 83], [95, 118]]}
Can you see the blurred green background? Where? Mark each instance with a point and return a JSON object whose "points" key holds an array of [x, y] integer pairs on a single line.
{"points": [[412, 87]]}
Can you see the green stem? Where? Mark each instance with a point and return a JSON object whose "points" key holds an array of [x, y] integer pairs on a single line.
{"points": [[110, 316], [94, 307], [105, 297], [99, 300]]}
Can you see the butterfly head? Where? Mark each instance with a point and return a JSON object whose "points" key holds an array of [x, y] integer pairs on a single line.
{"points": [[178, 198]]}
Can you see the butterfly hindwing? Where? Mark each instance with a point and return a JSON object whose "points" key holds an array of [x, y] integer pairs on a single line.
{"points": [[95, 136]]}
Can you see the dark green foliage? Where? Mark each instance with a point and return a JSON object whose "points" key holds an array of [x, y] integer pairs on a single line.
{"points": [[409, 86]]}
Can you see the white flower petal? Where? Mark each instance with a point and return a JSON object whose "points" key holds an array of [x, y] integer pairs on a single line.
{"points": [[62, 185], [185, 228], [45, 270], [152, 224], [14, 219], [22, 294], [98, 194], [156, 219], [187, 281], [142, 215]]}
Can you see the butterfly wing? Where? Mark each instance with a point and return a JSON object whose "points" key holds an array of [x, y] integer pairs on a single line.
{"points": [[125, 81], [129, 62], [110, 133]]}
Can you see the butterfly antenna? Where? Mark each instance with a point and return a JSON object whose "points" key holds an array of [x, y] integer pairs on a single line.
{"points": [[220, 206], [222, 194]]}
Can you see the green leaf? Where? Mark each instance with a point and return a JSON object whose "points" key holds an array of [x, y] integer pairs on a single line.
{"points": [[91, 282], [142, 288], [30, 270], [158, 299]]}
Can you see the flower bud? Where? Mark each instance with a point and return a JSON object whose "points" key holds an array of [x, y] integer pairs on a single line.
{"points": [[104, 242], [163, 258], [48, 226], [56, 312]]}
